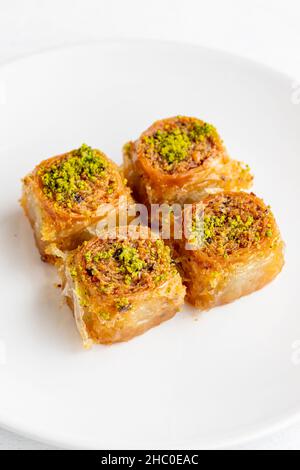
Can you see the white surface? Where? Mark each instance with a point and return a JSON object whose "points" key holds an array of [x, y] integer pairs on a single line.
{"points": [[206, 383], [268, 32]]}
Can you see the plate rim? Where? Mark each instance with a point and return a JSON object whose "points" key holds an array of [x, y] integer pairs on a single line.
{"points": [[246, 435], [132, 39]]}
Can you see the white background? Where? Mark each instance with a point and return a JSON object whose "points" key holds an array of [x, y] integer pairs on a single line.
{"points": [[264, 30]]}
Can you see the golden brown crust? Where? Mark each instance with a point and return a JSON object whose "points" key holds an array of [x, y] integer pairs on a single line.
{"points": [[241, 250], [169, 164], [120, 288], [60, 214]]}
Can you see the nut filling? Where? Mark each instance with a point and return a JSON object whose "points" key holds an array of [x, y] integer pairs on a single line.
{"points": [[72, 181], [121, 267], [180, 144]]}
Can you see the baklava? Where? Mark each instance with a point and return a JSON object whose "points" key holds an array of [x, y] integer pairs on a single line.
{"points": [[181, 160], [67, 194], [231, 247], [120, 287]]}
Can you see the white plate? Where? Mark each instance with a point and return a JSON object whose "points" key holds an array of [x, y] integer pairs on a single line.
{"points": [[210, 381]]}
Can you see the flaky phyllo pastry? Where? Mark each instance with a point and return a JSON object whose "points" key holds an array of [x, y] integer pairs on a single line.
{"points": [[119, 288], [239, 249], [181, 160], [118, 277], [67, 194]]}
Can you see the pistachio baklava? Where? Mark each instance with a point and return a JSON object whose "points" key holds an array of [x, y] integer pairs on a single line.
{"points": [[181, 160], [232, 248], [120, 287], [65, 195]]}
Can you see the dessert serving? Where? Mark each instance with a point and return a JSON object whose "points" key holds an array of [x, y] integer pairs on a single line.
{"points": [[119, 288], [65, 195], [120, 280], [180, 160], [233, 249]]}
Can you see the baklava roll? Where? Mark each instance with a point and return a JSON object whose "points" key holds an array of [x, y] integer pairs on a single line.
{"points": [[232, 249], [181, 160], [121, 287], [65, 195]]}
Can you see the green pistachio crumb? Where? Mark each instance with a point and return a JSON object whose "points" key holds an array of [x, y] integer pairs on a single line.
{"points": [[130, 261], [104, 315], [160, 278], [88, 256], [128, 264], [73, 272], [174, 145], [65, 181], [235, 226], [122, 304]]}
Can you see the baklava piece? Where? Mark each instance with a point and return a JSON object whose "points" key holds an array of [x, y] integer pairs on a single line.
{"points": [[119, 288], [65, 195], [181, 160], [232, 249]]}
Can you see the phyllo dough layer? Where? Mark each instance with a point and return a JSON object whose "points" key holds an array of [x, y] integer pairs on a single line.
{"points": [[119, 288], [181, 160], [234, 248], [64, 195]]}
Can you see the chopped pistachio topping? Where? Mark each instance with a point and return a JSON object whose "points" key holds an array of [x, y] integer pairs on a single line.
{"points": [[117, 267], [162, 277], [88, 256], [269, 233], [231, 223], [233, 226], [123, 304], [73, 272], [104, 315], [174, 144], [130, 262], [65, 181]]}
